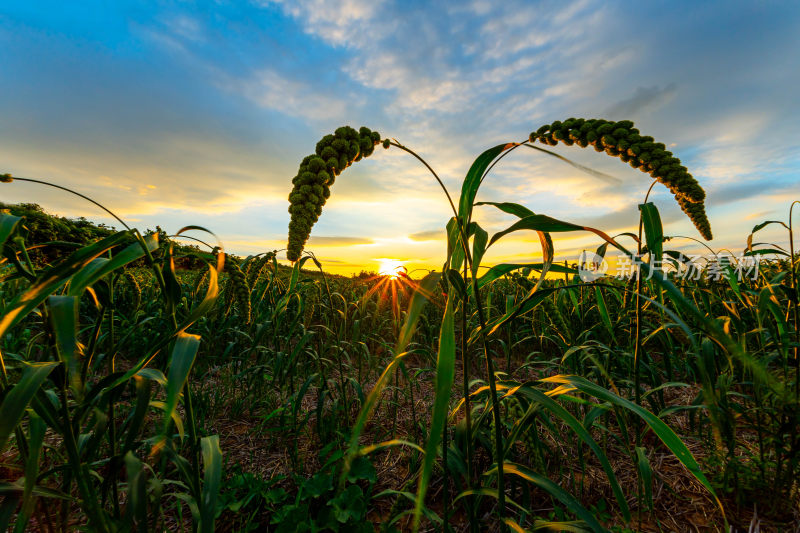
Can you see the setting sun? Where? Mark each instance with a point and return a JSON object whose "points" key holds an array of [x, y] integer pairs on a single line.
{"points": [[391, 268]]}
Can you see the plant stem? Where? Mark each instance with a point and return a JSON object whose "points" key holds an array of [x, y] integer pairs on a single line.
{"points": [[465, 365], [498, 436]]}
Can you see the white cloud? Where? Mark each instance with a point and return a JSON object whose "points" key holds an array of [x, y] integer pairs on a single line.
{"points": [[340, 23], [271, 90]]}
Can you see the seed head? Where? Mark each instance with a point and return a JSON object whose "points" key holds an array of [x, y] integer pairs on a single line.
{"points": [[237, 285], [317, 172], [622, 140]]}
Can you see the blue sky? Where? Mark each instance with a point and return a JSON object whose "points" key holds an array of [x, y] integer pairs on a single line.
{"points": [[177, 113]]}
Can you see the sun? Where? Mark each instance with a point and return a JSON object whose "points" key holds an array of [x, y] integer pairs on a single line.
{"points": [[391, 268]]}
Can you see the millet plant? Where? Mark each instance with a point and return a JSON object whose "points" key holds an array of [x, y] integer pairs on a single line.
{"points": [[467, 244]]}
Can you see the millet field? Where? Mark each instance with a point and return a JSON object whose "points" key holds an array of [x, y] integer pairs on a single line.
{"points": [[153, 382]]}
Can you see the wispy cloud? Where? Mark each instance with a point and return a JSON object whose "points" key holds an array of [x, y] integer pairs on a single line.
{"points": [[342, 23], [317, 240], [301, 99], [431, 235], [643, 98]]}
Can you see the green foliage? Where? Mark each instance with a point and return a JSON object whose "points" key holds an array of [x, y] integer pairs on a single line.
{"points": [[146, 385], [321, 506], [62, 378], [42, 228]]}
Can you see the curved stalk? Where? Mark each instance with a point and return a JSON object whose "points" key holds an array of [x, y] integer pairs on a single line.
{"points": [[793, 268], [101, 206], [465, 365], [462, 225], [441, 184]]}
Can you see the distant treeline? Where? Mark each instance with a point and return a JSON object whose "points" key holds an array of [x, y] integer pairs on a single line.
{"points": [[58, 236]]}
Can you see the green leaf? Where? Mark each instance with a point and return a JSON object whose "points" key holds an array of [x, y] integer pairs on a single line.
{"points": [[531, 300], [37, 430], [469, 188], [499, 271], [546, 241], [763, 225], [362, 468], [445, 374], [456, 282], [212, 479], [208, 300], [143, 391], [318, 485], [511, 208], [172, 287], [8, 225], [502, 269], [136, 509], [488, 491], [555, 491], [765, 251], [53, 278], [478, 247], [183, 355], [542, 223], [19, 396], [296, 272], [653, 230], [349, 505], [153, 374], [7, 508], [102, 266], [455, 250], [603, 310], [662, 431], [646, 475], [575, 425], [429, 514], [64, 319], [759, 227], [366, 450]]}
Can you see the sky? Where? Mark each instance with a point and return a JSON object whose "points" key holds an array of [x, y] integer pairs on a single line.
{"points": [[199, 113]]}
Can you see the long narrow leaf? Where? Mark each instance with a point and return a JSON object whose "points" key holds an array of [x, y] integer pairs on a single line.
{"points": [[212, 478], [469, 188], [18, 398], [556, 492], [64, 318], [445, 374], [662, 431], [183, 356], [54, 278]]}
